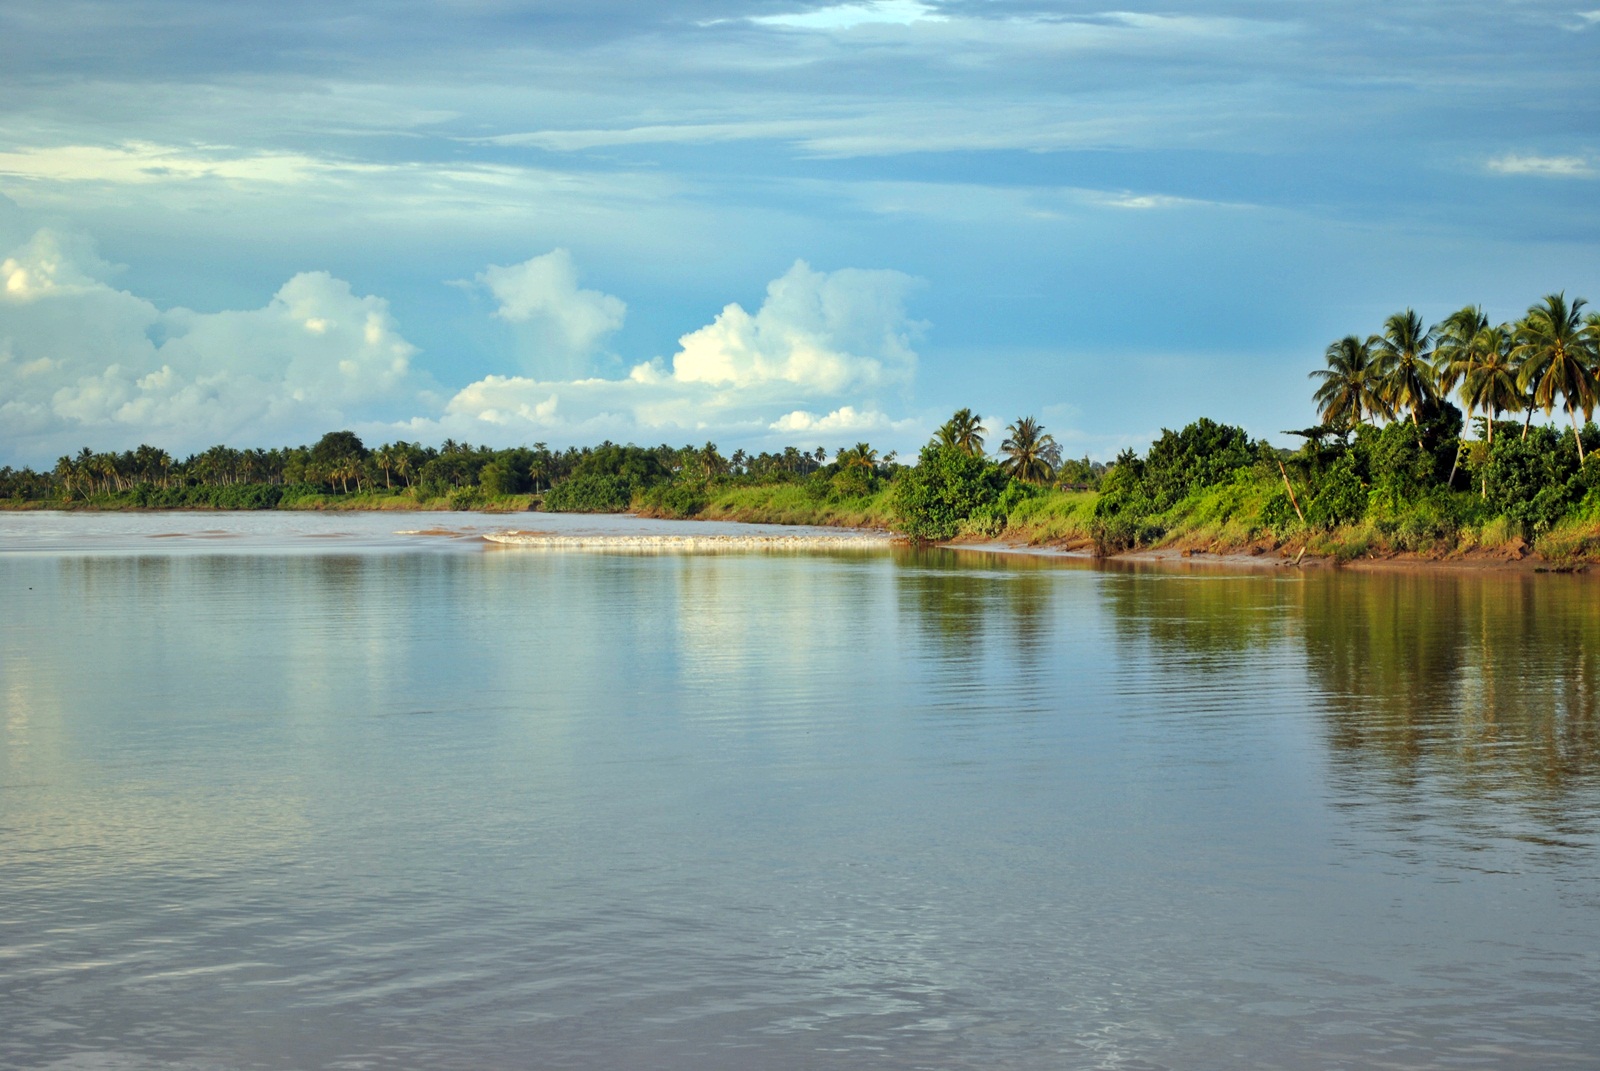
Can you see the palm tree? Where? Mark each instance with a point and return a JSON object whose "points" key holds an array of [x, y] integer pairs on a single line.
{"points": [[1350, 388], [1458, 351], [1554, 347], [1031, 454], [964, 431], [66, 473], [1489, 382], [385, 458], [859, 456], [712, 463], [1403, 366], [347, 469]]}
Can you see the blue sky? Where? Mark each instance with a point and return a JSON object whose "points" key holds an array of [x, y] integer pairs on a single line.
{"points": [[754, 221]]}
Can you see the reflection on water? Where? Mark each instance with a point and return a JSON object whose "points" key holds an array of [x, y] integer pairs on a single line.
{"points": [[1464, 694], [909, 809]]}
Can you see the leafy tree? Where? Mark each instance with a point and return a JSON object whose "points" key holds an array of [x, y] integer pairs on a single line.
{"points": [[1525, 481], [1203, 454], [590, 492], [1340, 496], [947, 485], [336, 446]]}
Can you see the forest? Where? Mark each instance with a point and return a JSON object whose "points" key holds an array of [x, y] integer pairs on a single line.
{"points": [[1427, 444]]}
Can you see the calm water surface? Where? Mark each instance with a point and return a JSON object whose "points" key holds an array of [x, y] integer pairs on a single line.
{"points": [[280, 791]]}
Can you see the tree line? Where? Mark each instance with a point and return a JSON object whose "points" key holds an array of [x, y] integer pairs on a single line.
{"points": [[604, 478], [1393, 464]]}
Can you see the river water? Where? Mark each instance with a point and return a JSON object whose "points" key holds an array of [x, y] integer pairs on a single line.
{"points": [[297, 791]]}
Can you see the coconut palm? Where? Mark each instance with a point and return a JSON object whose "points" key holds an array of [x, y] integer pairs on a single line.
{"points": [[1349, 390], [1557, 358], [384, 458], [964, 431], [1031, 454], [1489, 382], [1457, 351], [1404, 351], [859, 456], [346, 469]]}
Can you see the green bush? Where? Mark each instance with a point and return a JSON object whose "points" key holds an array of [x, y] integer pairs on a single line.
{"points": [[677, 499], [242, 496], [590, 493], [1525, 480], [853, 481], [1339, 496], [946, 487], [500, 477], [1203, 454]]}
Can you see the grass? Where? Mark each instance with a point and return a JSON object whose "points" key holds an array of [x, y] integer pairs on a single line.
{"points": [[790, 503], [1054, 518]]}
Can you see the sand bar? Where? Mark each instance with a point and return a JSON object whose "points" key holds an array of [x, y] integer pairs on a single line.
{"points": [[692, 544]]}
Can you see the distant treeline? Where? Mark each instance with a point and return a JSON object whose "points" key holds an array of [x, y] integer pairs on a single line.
{"points": [[341, 464], [1395, 464]]}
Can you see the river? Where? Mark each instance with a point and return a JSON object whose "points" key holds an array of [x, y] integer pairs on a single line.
{"points": [[365, 791]]}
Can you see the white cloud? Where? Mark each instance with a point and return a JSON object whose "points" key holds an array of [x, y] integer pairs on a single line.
{"points": [[846, 16], [560, 324], [86, 362], [145, 163], [835, 337], [824, 332], [1549, 166], [846, 418]]}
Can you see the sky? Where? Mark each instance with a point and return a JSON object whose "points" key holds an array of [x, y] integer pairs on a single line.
{"points": [[758, 222]]}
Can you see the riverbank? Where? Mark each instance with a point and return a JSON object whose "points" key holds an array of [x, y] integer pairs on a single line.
{"points": [[1228, 526], [1257, 559]]}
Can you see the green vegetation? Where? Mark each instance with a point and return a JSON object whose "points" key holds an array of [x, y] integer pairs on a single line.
{"points": [[1395, 466]]}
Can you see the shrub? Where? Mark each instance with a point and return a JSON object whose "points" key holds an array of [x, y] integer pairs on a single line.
{"points": [[500, 477], [677, 499], [1201, 455], [946, 487], [1339, 496], [590, 494], [1525, 481]]}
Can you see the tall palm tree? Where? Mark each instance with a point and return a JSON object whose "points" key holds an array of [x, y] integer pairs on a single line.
{"points": [[964, 431], [1404, 351], [1031, 453], [66, 474], [1489, 380], [1457, 351], [1350, 388], [1556, 356], [384, 456]]}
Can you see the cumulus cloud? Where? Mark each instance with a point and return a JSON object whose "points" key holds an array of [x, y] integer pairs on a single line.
{"points": [[825, 332], [82, 361], [846, 418], [561, 324], [817, 337]]}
